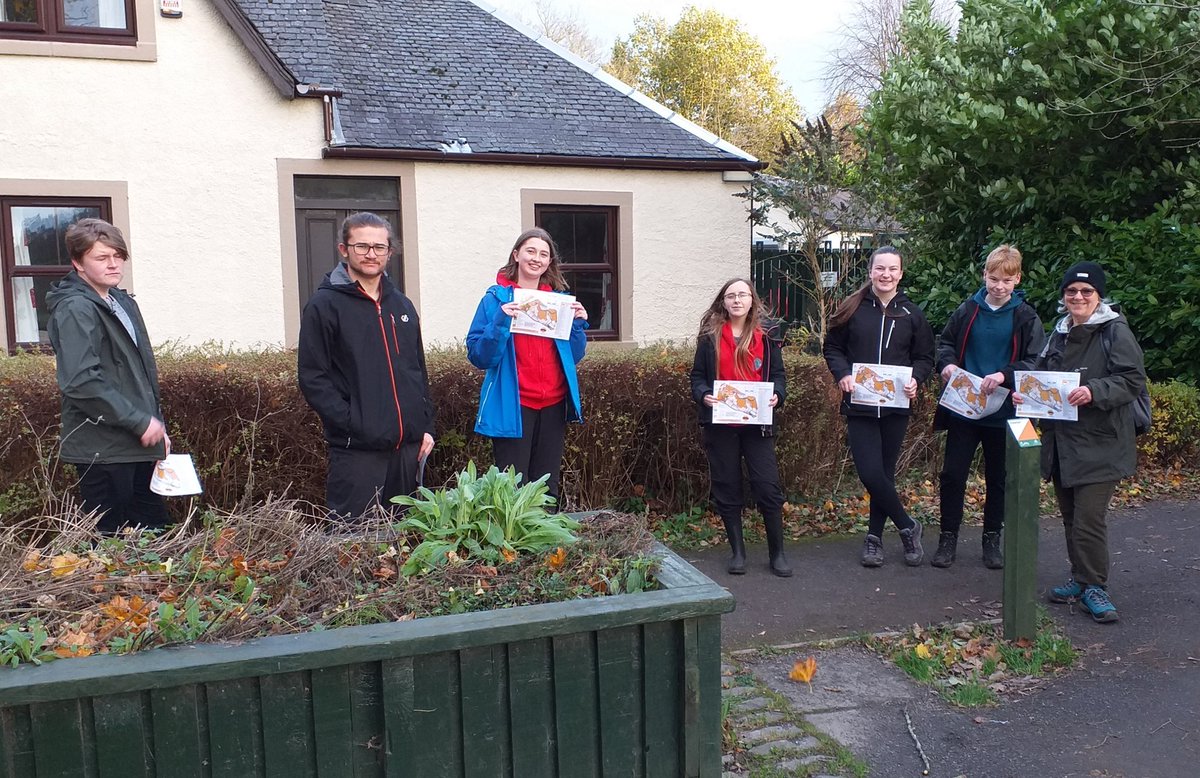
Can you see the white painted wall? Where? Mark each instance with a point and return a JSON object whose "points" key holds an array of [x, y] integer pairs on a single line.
{"points": [[195, 135], [690, 235]]}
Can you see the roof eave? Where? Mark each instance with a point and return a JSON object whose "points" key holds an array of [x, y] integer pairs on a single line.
{"points": [[277, 73], [552, 160]]}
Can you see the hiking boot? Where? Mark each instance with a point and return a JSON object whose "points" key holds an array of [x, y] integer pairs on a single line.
{"points": [[947, 548], [1096, 602], [993, 554], [737, 546], [1068, 592], [872, 553], [773, 524], [911, 538]]}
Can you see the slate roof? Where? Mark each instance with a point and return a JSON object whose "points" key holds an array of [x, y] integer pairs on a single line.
{"points": [[418, 74]]}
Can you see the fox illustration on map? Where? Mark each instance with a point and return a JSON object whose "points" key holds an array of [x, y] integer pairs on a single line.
{"points": [[874, 383], [1041, 393], [738, 401]]}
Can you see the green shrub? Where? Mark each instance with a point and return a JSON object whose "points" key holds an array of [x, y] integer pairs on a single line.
{"points": [[1173, 436]]}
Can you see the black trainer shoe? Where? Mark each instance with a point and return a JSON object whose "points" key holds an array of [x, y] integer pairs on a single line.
{"points": [[914, 554], [872, 552], [993, 553], [947, 549]]}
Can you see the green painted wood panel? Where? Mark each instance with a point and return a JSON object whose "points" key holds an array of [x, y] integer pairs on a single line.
{"points": [[693, 733], [663, 699], [16, 743], [485, 717], [289, 749], [235, 728], [333, 728], [124, 735], [1021, 495], [180, 729], [423, 717], [64, 742], [531, 707], [619, 662], [577, 705], [366, 721], [708, 633]]}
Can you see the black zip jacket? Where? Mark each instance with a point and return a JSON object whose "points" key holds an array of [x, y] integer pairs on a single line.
{"points": [[704, 372], [1029, 335], [361, 365], [896, 335]]}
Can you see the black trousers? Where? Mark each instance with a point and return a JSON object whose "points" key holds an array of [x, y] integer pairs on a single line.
{"points": [[875, 447], [727, 446], [539, 450], [358, 480], [121, 494], [962, 438]]}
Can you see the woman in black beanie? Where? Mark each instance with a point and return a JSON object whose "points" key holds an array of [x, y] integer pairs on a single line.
{"points": [[1085, 459]]}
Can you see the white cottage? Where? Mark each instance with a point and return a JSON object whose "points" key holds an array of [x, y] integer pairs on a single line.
{"points": [[229, 142]]}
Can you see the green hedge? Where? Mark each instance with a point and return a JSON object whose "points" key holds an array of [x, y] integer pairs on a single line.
{"points": [[252, 435]]}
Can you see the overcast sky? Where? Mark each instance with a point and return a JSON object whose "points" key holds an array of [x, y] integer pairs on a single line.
{"points": [[796, 33]]}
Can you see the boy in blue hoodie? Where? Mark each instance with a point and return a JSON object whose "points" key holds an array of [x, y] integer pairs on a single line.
{"points": [[990, 335]]}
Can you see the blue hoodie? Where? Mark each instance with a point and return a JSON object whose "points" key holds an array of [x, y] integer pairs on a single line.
{"points": [[490, 347]]}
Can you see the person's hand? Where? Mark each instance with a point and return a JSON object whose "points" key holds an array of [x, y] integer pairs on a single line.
{"points": [[1080, 395], [710, 401], [846, 384], [948, 371], [511, 309], [579, 310], [154, 434], [991, 381], [426, 447], [910, 388], [774, 400], [167, 442], [1018, 398]]}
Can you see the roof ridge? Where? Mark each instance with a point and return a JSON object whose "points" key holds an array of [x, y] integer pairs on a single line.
{"points": [[611, 81]]}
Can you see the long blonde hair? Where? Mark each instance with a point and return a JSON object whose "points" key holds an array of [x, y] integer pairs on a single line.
{"points": [[717, 317]]}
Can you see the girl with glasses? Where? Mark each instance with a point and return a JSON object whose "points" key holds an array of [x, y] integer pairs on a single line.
{"points": [[1086, 458], [530, 390], [878, 324], [737, 343]]}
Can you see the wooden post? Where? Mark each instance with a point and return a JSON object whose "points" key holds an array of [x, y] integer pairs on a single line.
{"points": [[1023, 460]]}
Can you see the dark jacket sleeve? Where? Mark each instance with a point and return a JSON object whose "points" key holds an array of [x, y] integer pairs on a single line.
{"points": [[835, 352], [922, 348], [703, 370], [314, 368], [778, 374], [431, 427], [1126, 370], [949, 344], [1031, 338], [82, 375]]}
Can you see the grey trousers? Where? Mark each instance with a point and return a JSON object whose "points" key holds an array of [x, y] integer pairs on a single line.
{"points": [[1084, 510]]}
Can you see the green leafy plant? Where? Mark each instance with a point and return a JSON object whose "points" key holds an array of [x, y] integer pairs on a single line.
{"points": [[491, 518], [26, 644]]}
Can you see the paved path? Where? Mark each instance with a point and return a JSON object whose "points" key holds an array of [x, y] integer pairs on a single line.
{"points": [[1131, 708]]}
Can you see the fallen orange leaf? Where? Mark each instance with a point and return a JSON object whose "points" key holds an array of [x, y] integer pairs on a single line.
{"points": [[33, 560], [804, 671], [508, 554], [556, 558], [64, 564]]}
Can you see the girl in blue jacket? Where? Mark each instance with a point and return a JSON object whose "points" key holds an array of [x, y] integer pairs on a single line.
{"points": [[530, 390]]}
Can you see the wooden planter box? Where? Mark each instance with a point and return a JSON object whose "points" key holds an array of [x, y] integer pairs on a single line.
{"points": [[614, 686]]}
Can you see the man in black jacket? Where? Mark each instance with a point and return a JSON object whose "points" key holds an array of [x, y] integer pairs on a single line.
{"points": [[361, 366], [112, 428]]}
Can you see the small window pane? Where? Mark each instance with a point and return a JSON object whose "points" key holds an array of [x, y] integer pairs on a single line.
{"points": [[344, 188], [105, 14], [595, 291], [29, 307], [581, 237], [39, 232], [18, 11]]}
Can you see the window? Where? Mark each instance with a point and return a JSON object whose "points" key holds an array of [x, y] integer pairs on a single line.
{"points": [[82, 21], [587, 243], [34, 255]]}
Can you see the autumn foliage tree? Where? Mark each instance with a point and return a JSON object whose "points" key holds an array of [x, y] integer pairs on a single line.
{"points": [[709, 69]]}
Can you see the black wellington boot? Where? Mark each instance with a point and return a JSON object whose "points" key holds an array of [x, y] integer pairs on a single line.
{"points": [[779, 563], [737, 559]]}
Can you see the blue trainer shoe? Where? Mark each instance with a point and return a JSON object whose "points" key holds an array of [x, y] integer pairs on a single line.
{"points": [[1068, 592], [1095, 600]]}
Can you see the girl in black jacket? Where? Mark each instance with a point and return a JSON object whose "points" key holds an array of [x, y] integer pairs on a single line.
{"points": [[878, 324], [737, 344]]}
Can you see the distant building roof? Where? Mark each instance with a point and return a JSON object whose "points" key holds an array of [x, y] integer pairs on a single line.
{"points": [[455, 77]]}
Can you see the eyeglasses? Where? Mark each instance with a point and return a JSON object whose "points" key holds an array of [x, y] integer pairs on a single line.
{"points": [[735, 296], [1085, 293], [362, 249]]}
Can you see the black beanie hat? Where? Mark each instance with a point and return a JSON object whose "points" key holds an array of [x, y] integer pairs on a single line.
{"points": [[1085, 272]]}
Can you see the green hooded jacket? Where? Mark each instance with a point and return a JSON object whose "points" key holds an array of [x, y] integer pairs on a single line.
{"points": [[109, 385]]}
